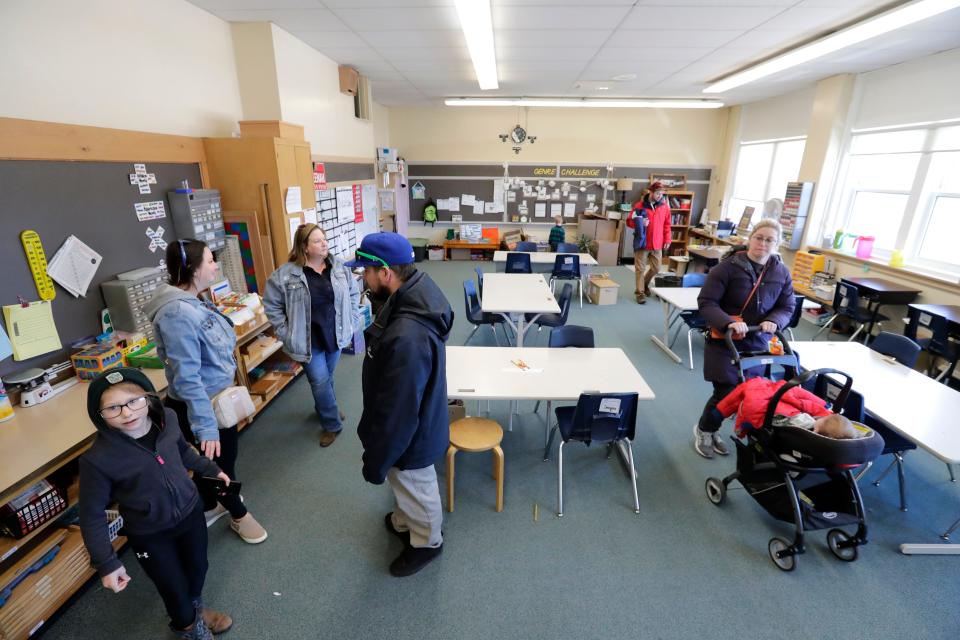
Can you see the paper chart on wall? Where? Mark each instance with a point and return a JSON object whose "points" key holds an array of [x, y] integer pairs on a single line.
{"points": [[73, 266], [478, 207], [345, 209], [468, 200], [540, 210], [498, 194], [31, 329], [310, 216], [569, 209], [293, 203], [294, 225], [555, 209], [490, 207]]}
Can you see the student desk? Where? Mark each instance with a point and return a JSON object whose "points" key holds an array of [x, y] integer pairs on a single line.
{"points": [[910, 403], [543, 261], [513, 295], [879, 292], [703, 259], [487, 373], [950, 313], [674, 300]]}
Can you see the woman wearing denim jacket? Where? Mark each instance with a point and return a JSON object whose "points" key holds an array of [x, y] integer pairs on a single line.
{"points": [[196, 343], [312, 303]]}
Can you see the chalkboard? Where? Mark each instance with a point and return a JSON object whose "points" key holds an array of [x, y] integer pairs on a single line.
{"points": [[93, 201]]}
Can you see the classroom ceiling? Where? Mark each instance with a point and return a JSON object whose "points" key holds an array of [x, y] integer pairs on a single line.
{"points": [[413, 51]]}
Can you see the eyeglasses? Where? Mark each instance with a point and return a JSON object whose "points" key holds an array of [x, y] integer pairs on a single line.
{"points": [[764, 240], [114, 410], [370, 256]]}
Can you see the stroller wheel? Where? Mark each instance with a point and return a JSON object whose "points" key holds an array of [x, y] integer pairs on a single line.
{"points": [[835, 540], [781, 554], [716, 491]]}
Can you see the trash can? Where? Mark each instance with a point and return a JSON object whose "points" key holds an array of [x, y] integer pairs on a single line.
{"points": [[419, 249]]}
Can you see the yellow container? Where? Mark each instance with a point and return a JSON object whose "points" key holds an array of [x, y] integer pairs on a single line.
{"points": [[6, 409]]}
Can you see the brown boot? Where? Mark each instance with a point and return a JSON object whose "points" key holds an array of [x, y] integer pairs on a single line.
{"points": [[217, 621], [327, 438], [641, 299]]}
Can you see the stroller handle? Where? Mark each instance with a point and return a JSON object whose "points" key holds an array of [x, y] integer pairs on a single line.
{"points": [[805, 377], [728, 339]]}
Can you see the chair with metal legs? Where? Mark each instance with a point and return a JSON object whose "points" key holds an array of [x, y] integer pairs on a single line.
{"points": [[846, 302]]}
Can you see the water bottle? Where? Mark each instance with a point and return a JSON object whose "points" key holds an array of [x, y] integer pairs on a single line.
{"points": [[6, 409]]}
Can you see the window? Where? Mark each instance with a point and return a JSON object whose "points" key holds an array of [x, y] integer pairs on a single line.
{"points": [[903, 188], [763, 171]]}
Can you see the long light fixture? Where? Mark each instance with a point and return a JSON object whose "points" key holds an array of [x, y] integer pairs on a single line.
{"points": [[872, 27], [477, 25], [584, 103]]}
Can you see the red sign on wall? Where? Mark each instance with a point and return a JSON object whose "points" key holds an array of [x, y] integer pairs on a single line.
{"points": [[319, 176], [357, 204]]}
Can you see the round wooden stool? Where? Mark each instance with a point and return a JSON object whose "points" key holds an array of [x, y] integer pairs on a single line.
{"points": [[475, 435]]}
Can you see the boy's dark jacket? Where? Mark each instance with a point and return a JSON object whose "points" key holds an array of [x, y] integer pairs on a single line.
{"points": [[405, 422], [151, 488]]}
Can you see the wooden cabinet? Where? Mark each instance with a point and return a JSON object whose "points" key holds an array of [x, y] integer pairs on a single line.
{"points": [[254, 172]]}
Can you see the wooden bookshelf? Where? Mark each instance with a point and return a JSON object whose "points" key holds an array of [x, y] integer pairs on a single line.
{"points": [[681, 206]]}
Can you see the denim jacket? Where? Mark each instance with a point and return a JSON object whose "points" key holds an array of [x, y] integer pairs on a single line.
{"points": [[287, 303], [196, 344]]}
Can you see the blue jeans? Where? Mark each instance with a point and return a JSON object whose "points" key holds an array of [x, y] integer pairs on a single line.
{"points": [[320, 374]]}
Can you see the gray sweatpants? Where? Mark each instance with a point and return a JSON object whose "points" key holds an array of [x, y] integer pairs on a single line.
{"points": [[418, 509]]}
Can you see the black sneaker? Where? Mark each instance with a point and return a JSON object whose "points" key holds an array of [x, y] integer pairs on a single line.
{"points": [[403, 536], [412, 559]]}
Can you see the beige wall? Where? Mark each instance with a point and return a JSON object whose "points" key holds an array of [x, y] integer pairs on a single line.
{"points": [[663, 137], [309, 90], [256, 68], [163, 67], [381, 124]]}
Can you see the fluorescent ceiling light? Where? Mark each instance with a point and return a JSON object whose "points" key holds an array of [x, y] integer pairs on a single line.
{"points": [[477, 25], [870, 28], [583, 103]]}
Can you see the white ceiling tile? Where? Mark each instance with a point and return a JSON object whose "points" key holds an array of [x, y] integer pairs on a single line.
{"points": [[400, 19], [809, 21], [366, 4], [247, 5], [557, 3], [352, 55], [717, 3], [551, 37], [581, 17], [652, 54], [289, 19], [415, 38], [426, 66], [401, 54], [572, 54], [671, 37], [608, 69], [764, 39], [710, 18], [551, 64], [947, 21], [327, 39]]}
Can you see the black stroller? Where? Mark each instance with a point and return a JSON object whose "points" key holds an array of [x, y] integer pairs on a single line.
{"points": [[797, 475]]}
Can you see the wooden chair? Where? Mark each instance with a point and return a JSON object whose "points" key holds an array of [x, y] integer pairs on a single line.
{"points": [[475, 435]]}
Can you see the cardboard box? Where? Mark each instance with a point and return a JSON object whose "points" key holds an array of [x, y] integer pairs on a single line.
{"points": [[605, 235], [602, 290], [456, 410]]}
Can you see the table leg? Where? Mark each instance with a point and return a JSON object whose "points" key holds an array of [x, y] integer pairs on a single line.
{"points": [[664, 343]]}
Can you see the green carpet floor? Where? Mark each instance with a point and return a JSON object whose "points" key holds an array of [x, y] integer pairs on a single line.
{"points": [[682, 568]]}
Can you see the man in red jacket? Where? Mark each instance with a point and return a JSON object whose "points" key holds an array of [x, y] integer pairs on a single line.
{"points": [[650, 219]]}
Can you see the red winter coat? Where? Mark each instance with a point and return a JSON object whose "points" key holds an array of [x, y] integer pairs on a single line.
{"points": [[750, 399], [658, 231]]}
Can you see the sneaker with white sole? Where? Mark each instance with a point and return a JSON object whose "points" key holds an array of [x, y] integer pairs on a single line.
{"points": [[249, 530], [215, 514], [719, 445], [702, 442]]}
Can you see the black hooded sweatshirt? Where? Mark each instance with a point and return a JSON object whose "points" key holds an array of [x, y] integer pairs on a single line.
{"points": [[404, 422], [152, 488]]}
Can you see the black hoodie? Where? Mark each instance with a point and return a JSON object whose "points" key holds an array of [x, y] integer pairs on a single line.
{"points": [[404, 422], [152, 488]]}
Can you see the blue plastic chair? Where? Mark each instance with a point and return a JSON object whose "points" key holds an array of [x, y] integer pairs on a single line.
{"points": [[475, 315], [938, 344], [518, 263], [562, 337], [692, 319], [554, 320], [694, 279], [798, 301], [846, 302], [902, 348], [567, 247], [567, 267], [527, 246], [479, 281], [598, 417]]}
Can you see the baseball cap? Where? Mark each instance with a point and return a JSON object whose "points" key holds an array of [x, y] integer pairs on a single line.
{"points": [[385, 249], [656, 186]]}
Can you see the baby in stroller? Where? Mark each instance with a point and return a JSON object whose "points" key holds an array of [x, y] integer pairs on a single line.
{"points": [[796, 408]]}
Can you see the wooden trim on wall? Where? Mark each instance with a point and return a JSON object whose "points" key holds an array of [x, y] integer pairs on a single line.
{"points": [[899, 273], [35, 140]]}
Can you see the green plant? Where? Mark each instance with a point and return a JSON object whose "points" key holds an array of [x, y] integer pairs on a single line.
{"points": [[584, 243]]}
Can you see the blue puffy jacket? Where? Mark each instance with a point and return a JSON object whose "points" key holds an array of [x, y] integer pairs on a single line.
{"points": [[404, 422]]}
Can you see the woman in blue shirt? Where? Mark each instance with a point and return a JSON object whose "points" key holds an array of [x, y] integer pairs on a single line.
{"points": [[312, 302], [196, 343]]}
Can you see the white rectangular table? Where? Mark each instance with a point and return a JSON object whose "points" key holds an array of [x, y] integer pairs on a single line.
{"points": [[513, 295], [908, 402], [674, 300]]}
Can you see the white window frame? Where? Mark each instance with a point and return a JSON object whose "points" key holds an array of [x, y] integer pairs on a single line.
{"points": [[776, 142], [920, 199]]}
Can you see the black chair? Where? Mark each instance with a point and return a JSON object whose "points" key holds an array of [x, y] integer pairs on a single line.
{"points": [[692, 319], [606, 418], [518, 263], [566, 336], [902, 348], [475, 316], [567, 267], [938, 344], [795, 318], [479, 281], [846, 302], [527, 246], [567, 247], [554, 320]]}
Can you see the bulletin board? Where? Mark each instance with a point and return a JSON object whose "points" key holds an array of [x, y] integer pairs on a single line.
{"points": [[437, 189], [95, 202]]}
